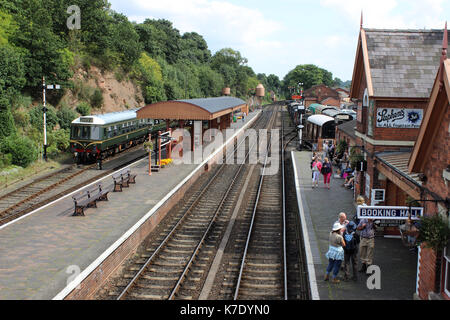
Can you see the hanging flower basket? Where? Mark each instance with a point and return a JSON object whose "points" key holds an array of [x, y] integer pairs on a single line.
{"points": [[148, 146]]}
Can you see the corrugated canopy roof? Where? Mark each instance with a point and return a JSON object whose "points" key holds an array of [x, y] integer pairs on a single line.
{"points": [[403, 63], [191, 109]]}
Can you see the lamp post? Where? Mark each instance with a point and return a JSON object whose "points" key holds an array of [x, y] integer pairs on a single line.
{"points": [[44, 109]]}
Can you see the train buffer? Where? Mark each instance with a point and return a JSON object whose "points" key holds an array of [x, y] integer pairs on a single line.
{"points": [[88, 199], [123, 179]]}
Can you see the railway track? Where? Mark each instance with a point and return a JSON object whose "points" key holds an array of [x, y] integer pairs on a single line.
{"points": [[179, 260], [176, 264]]}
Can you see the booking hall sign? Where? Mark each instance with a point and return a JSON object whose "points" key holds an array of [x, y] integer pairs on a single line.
{"points": [[399, 118]]}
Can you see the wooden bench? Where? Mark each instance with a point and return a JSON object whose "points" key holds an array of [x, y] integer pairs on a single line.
{"points": [[123, 179], [88, 199]]}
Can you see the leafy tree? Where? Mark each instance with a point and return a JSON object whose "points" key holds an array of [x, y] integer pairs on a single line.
{"points": [[97, 98], [7, 27], [12, 71], [37, 117], [124, 40], [84, 109], [194, 48], [42, 48], [65, 117], [308, 74], [210, 81], [22, 149], [7, 127]]}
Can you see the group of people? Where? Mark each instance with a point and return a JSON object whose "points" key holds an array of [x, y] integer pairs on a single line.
{"points": [[319, 167], [346, 240]]}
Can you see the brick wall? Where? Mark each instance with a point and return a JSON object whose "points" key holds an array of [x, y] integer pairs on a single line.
{"points": [[436, 163], [426, 272], [438, 160]]}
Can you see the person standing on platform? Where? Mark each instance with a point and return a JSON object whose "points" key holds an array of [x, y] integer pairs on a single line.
{"points": [[367, 243], [335, 253], [326, 171], [316, 168], [325, 148], [342, 219], [351, 239]]}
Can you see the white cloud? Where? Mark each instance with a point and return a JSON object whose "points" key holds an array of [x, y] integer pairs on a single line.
{"points": [[219, 21], [390, 14]]}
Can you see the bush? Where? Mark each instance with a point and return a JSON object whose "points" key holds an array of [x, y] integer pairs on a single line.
{"points": [[21, 118], [97, 99], [5, 160], [84, 109], [22, 150], [59, 139], [65, 117], [37, 117]]}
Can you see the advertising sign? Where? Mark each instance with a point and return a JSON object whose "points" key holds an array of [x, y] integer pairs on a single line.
{"points": [[399, 118], [389, 213]]}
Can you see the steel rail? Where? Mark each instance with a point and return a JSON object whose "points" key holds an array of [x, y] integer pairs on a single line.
{"points": [[283, 200]]}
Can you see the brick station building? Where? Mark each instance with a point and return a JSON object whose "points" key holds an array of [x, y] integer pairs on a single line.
{"points": [[394, 85], [321, 93]]}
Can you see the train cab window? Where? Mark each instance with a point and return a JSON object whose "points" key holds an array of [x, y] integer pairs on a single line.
{"points": [[81, 132]]}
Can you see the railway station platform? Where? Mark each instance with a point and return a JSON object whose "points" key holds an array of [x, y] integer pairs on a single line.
{"points": [[48, 252], [319, 209]]}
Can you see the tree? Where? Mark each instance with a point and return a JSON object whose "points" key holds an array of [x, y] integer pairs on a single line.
{"points": [[308, 74], [124, 40], [42, 49], [7, 27], [12, 71], [21, 148], [65, 117], [7, 127], [194, 48]]}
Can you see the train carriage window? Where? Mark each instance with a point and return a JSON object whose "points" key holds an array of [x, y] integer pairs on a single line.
{"points": [[95, 133]]}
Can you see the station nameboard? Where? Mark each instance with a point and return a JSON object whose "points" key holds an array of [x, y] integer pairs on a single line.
{"points": [[390, 213]]}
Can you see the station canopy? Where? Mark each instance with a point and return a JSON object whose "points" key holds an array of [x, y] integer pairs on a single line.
{"points": [[192, 109]]}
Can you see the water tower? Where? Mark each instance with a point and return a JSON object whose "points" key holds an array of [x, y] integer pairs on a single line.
{"points": [[260, 92], [226, 91]]}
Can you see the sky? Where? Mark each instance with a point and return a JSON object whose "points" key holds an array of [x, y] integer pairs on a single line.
{"points": [[277, 35]]}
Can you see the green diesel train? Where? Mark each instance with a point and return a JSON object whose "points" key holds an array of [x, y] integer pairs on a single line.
{"points": [[99, 136]]}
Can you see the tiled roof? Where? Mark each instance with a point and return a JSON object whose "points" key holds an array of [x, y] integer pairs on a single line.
{"points": [[214, 105], [348, 128], [398, 161], [403, 63]]}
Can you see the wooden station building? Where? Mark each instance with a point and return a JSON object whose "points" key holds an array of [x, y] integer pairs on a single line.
{"points": [[215, 113]]}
